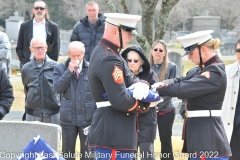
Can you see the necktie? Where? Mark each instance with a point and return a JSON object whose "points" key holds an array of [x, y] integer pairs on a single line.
{"points": [[77, 73]]}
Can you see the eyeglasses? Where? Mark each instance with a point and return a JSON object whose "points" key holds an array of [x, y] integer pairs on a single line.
{"points": [[156, 49], [38, 48], [135, 60], [238, 50], [37, 8]]}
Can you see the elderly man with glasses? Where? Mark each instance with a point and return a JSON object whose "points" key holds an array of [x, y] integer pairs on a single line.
{"points": [[41, 102], [38, 26]]}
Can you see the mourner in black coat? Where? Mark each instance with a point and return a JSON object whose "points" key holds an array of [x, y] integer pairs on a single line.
{"points": [[38, 26], [147, 123]]}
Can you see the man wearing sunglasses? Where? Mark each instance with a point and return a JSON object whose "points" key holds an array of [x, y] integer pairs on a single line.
{"points": [[231, 105], [38, 26]]}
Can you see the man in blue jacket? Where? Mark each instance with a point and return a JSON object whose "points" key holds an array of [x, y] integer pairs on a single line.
{"points": [[90, 29], [77, 105]]}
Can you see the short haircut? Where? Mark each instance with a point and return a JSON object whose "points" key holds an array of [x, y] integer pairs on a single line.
{"points": [[91, 3], [37, 38]]}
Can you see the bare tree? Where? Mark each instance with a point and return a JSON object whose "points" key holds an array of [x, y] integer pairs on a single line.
{"points": [[5, 9], [148, 8], [228, 11], [75, 9], [166, 7]]}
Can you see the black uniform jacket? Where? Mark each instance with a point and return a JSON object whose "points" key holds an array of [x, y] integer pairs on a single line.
{"points": [[204, 90], [26, 34], [113, 126]]}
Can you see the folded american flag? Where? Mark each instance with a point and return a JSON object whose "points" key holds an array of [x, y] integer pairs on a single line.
{"points": [[152, 96], [38, 149]]}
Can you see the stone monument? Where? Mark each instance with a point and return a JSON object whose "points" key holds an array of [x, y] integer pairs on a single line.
{"points": [[15, 135], [13, 25], [207, 22], [177, 59]]}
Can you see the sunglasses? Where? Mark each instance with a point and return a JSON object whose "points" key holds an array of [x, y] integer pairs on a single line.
{"points": [[238, 50], [156, 49], [37, 8], [135, 60]]}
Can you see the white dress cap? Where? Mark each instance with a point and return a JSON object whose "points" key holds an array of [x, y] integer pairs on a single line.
{"points": [[127, 20], [195, 38], [191, 41]]}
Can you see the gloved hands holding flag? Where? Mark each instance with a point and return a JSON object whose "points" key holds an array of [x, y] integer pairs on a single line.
{"points": [[140, 90], [151, 96], [162, 84]]}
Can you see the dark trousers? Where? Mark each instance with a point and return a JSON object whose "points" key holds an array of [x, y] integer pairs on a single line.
{"points": [[235, 143], [69, 137], [165, 123], [146, 150]]}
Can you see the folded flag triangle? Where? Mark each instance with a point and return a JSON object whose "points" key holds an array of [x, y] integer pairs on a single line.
{"points": [[38, 149], [151, 97]]}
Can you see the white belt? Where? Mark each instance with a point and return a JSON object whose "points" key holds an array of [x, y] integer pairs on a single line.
{"points": [[103, 104], [203, 113]]}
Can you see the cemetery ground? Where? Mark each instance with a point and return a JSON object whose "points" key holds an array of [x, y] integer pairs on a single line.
{"points": [[18, 104]]}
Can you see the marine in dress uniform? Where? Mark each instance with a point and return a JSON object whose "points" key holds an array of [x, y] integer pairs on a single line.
{"points": [[113, 130], [205, 137]]}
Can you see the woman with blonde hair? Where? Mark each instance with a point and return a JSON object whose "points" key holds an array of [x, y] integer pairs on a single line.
{"points": [[204, 89], [165, 111]]}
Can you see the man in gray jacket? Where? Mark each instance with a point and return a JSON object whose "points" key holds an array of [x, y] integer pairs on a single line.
{"points": [[77, 105], [41, 102], [5, 53]]}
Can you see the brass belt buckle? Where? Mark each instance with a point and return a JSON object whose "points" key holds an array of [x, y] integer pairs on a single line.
{"points": [[186, 113]]}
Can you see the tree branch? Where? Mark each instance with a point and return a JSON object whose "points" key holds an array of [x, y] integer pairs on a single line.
{"points": [[111, 6], [166, 7], [125, 9]]}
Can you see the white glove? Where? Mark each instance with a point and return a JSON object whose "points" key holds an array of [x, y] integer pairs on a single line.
{"points": [[86, 130], [153, 104], [140, 90], [156, 85]]}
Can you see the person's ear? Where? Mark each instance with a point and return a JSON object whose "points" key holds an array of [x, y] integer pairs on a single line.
{"points": [[31, 49], [203, 49]]}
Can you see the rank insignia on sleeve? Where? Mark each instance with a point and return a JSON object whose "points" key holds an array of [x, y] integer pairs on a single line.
{"points": [[206, 74], [117, 75]]}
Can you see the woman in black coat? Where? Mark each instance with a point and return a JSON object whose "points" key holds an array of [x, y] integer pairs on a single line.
{"points": [[147, 123]]}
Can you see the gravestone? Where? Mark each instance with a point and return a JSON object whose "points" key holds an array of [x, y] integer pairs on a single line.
{"points": [[200, 23], [15, 135], [65, 40], [13, 26], [177, 59]]}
